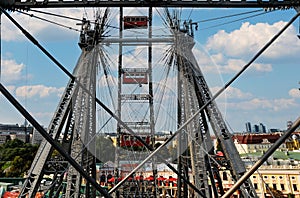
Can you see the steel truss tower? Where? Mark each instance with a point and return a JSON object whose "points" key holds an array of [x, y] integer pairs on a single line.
{"points": [[73, 126], [194, 93]]}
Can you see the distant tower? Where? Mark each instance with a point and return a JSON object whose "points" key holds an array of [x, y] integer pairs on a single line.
{"points": [[262, 128], [255, 128], [289, 124], [248, 127]]}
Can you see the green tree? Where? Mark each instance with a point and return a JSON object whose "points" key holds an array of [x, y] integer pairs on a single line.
{"points": [[290, 195], [105, 150], [16, 158]]}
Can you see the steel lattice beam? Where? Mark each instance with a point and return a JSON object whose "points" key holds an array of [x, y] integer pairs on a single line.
{"points": [[27, 4]]}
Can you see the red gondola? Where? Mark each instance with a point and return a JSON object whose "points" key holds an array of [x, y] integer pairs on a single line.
{"points": [[135, 22], [131, 141], [135, 76]]}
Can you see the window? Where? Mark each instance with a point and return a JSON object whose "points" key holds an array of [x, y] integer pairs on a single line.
{"points": [[282, 186], [295, 187], [274, 187], [273, 177], [255, 186], [266, 177], [225, 176]]}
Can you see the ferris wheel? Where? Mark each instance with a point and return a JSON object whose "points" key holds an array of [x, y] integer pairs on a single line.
{"points": [[154, 121]]}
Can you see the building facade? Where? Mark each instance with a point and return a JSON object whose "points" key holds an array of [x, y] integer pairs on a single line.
{"points": [[251, 143], [10, 132], [287, 181], [284, 178], [281, 175]]}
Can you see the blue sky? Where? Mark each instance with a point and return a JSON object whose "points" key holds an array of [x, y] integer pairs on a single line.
{"points": [[267, 92]]}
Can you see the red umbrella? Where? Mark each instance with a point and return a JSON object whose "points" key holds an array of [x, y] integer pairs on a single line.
{"points": [[8, 194], [139, 177], [150, 178], [130, 178], [120, 178], [111, 179], [219, 153], [161, 178], [172, 179]]}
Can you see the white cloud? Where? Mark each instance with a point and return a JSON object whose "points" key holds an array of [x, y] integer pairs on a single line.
{"points": [[40, 91], [235, 65], [43, 115], [135, 58], [264, 104], [252, 37], [11, 88], [11, 70], [227, 66], [138, 57], [43, 29], [217, 62], [104, 80], [295, 93], [233, 93], [218, 58], [205, 59]]}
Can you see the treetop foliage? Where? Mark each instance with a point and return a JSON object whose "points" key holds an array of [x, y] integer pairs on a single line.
{"points": [[16, 158]]}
